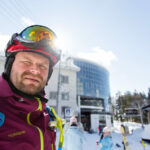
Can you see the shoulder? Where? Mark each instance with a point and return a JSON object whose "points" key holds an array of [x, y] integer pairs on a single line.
{"points": [[5, 90]]}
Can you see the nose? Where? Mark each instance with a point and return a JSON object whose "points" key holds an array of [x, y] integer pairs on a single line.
{"points": [[34, 69]]}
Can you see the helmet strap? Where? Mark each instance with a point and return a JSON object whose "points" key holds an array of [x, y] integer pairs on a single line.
{"points": [[49, 74], [8, 64]]}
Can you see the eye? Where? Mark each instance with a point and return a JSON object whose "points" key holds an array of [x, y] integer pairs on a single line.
{"points": [[43, 67], [27, 62]]}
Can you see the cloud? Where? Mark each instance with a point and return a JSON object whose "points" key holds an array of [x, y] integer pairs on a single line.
{"points": [[100, 56], [27, 21], [3, 42]]}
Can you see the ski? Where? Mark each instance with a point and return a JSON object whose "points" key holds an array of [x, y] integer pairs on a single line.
{"points": [[125, 142]]}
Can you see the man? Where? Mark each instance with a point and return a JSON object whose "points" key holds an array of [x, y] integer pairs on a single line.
{"points": [[30, 57]]}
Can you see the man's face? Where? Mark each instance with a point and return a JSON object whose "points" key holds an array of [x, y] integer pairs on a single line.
{"points": [[29, 72]]}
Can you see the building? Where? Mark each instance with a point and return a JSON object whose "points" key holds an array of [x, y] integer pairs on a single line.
{"points": [[93, 94], [147, 109], [2, 62], [61, 89]]}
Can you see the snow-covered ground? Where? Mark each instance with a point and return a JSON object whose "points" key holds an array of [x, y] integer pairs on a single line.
{"points": [[133, 138]]}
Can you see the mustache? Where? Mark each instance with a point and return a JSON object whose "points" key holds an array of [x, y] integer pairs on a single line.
{"points": [[32, 75]]}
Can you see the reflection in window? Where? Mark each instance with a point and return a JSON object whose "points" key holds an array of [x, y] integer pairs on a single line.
{"points": [[92, 79]]}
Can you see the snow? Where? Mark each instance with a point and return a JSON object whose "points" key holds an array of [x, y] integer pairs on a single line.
{"points": [[133, 138]]}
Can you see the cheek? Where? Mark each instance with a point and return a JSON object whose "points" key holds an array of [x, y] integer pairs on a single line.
{"points": [[45, 75], [16, 71]]}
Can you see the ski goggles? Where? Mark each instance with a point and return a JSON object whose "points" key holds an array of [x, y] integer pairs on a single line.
{"points": [[37, 33]]}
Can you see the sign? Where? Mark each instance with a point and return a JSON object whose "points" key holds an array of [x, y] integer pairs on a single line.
{"points": [[67, 112]]}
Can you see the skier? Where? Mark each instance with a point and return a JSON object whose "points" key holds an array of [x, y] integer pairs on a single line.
{"points": [[24, 120], [105, 141], [74, 135], [100, 129]]}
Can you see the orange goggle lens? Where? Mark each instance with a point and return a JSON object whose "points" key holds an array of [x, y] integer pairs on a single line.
{"points": [[37, 33]]}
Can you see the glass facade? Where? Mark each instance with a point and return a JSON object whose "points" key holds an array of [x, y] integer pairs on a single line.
{"points": [[92, 80]]}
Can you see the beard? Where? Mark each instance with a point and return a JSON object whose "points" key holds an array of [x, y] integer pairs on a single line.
{"points": [[30, 88]]}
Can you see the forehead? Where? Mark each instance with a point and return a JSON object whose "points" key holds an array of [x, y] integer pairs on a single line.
{"points": [[33, 56]]}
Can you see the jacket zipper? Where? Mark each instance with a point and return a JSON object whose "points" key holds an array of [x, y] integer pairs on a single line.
{"points": [[39, 130]]}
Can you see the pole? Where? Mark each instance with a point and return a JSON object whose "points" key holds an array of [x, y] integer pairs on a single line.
{"points": [[79, 108], [141, 114], [58, 87]]}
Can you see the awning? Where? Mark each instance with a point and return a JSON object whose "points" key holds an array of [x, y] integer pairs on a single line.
{"points": [[146, 107]]}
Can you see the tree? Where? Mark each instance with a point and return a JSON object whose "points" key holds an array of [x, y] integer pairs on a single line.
{"points": [[129, 100]]}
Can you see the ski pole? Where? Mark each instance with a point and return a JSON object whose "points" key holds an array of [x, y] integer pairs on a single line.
{"points": [[143, 144], [96, 144]]}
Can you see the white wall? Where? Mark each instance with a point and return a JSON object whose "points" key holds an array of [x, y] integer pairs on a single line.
{"points": [[66, 69], [108, 120], [94, 121], [2, 62]]}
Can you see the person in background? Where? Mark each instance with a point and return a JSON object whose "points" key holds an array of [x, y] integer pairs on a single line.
{"points": [[100, 129], [105, 141], [30, 58], [79, 124], [74, 135]]}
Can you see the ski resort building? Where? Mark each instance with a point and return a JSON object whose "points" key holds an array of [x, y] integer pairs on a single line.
{"points": [[93, 94]]}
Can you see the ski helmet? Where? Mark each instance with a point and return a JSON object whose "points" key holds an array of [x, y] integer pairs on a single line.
{"points": [[35, 38], [106, 129]]}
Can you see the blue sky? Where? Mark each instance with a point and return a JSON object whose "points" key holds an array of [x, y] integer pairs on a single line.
{"points": [[114, 33]]}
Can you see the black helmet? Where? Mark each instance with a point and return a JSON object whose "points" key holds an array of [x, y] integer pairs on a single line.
{"points": [[35, 38]]}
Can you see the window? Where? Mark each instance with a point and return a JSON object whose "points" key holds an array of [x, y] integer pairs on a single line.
{"points": [[64, 79], [93, 102], [53, 95], [65, 96]]}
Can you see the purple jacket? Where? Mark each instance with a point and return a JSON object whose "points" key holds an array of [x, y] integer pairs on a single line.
{"points": [[23, 122]]}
